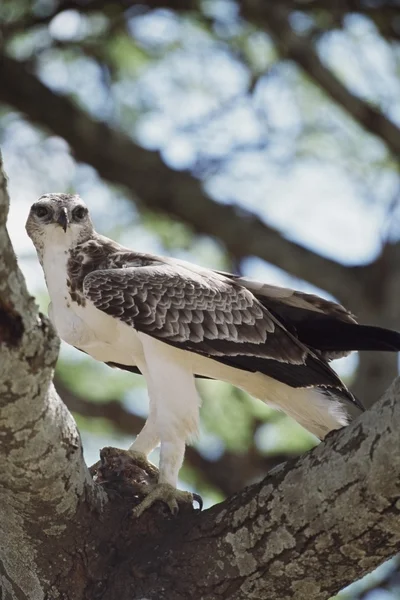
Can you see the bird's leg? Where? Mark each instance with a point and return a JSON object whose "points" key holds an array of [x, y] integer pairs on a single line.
{"points": [[172, 389], [145, 443], [146, 440], [171, 458]]}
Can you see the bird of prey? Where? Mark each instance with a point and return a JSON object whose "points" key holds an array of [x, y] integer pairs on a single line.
{"points": [[172, 320]]}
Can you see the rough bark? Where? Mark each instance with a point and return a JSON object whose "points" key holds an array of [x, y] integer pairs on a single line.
{"points": [[311, 527], [43, 475]]}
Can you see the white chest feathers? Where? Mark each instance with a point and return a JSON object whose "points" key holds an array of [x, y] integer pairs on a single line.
{"points": [[84, 326], [69, 325]]}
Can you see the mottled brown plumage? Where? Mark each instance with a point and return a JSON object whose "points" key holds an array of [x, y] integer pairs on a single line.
{"points": [[206, 312]]}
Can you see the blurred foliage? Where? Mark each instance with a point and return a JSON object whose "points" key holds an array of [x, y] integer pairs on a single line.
{"points": [[94, 380]]}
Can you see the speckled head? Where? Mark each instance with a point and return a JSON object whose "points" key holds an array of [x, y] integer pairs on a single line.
{"points": [[60, 220]]}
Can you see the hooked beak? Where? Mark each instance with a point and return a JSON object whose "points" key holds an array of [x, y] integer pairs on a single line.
{"points": [[63, 219]]}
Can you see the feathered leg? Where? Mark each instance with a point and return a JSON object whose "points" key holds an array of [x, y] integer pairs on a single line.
{"points": [[176, 412]]}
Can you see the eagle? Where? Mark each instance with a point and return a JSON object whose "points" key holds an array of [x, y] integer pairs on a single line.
{"points": [[173, 321]]}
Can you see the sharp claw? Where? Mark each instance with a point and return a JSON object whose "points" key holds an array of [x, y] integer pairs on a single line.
{"points": [[169, 495], [199, 500]]}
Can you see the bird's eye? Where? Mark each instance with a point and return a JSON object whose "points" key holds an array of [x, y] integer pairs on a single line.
{"points": [[42, 211], [79, 213]]}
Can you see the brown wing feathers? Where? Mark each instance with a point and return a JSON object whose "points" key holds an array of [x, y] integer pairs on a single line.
{"points": [[282, 333], [212, 317]]}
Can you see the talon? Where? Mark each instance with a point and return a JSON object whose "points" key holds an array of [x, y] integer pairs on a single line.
{"points": [[166, 493], [197, 498]]}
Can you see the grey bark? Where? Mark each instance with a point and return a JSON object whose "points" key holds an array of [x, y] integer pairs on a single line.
{"points": [[311, 527], [43, 475]]}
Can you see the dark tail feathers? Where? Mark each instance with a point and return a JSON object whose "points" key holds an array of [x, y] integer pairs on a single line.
{"points": [[331, 334]]}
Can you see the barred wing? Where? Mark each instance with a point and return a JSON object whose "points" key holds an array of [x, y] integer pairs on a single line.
{"points": [[209, 315]]}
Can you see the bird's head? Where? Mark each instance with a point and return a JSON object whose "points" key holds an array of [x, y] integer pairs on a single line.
{"points": [[59, 219]]}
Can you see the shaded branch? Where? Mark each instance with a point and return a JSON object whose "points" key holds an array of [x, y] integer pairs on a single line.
{"points": [[231, 472], [311, 527], [300, 49], [156, 187], [275, 17]]}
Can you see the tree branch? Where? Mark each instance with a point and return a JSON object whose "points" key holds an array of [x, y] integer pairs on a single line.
{"points": [[43, 475], [156, 187], [275, 18], [299, 48], [311, 527]]}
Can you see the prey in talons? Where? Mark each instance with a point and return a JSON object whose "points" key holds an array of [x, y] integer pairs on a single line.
{"points": [[127, 473]]}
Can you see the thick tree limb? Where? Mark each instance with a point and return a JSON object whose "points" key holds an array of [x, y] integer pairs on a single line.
{"points": [[311, 527], [43, 475], [155, 186]]}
